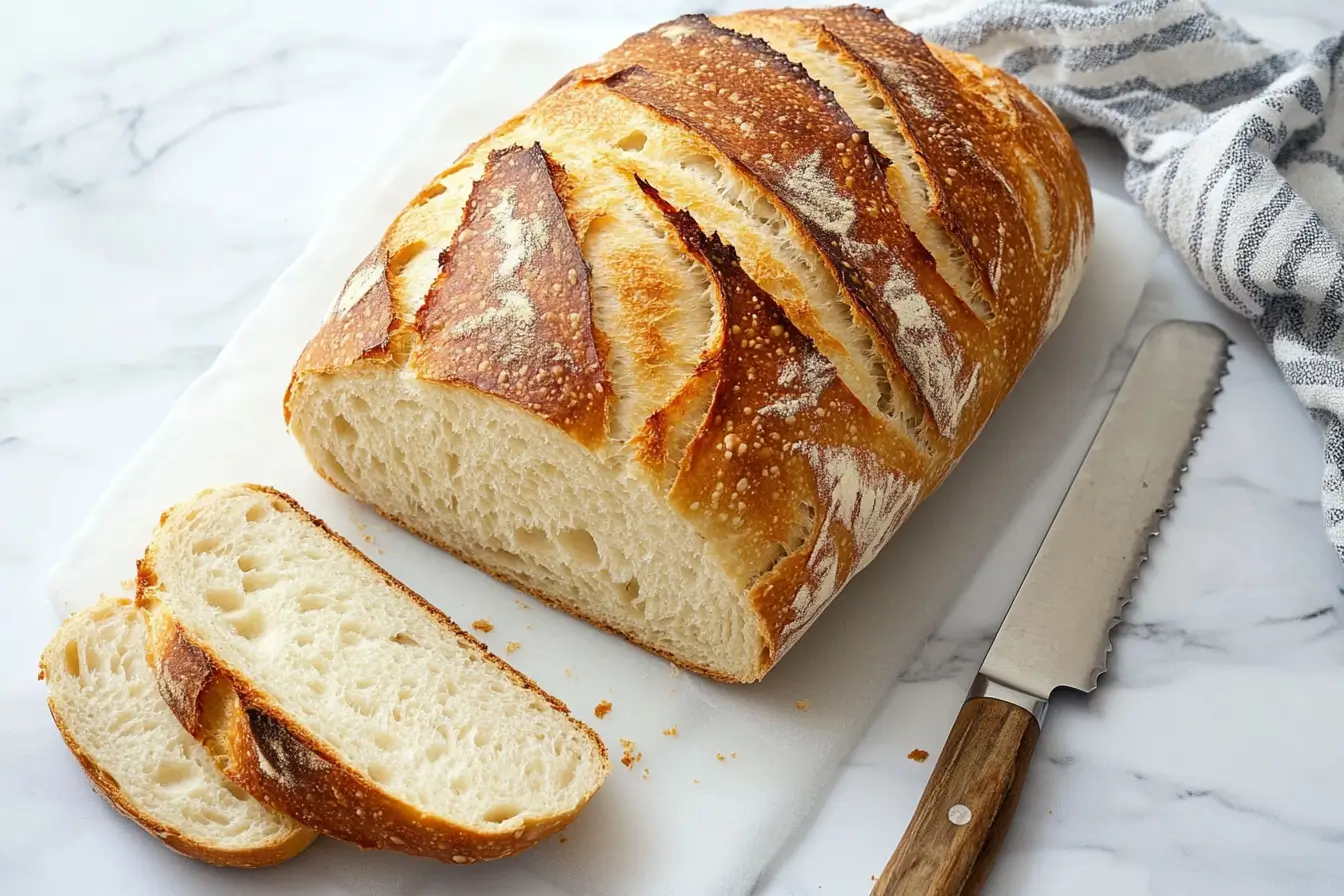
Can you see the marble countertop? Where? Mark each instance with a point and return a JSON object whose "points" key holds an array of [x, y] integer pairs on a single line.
{"points": [[161, 163]]}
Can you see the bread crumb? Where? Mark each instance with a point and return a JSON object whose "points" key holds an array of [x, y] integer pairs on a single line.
{"points": [[567, 672], [564, 839], [528, 626], [801, 705], [918, 755], [380, 550], [511, 646], [646, 774], [670, 732], [629, 756], [695, 780], [671, 690], [675, 669], [732, 755], [524, 604], [128, 585], [601, 709], [483, 625], [718, 756]]}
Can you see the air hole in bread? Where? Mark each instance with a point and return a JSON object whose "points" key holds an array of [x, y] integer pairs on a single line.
{"points": [[205, 545], [480, 738], [502, 812], [344, 431], [530, 539], [250, 624], [258, 580], [304, 639], [358, 403], [321, 665], [172, 773], [351, 632], [248, 562], [225, 600], [311, 599], [579, 545], [256, 513], [71, 654], [237, 792], [435, 752], [379, 773], [458, 785], [633, 141], [317, 686], [384, 740], [405, 639], [360, 703], [630, 591], [332, 467]]}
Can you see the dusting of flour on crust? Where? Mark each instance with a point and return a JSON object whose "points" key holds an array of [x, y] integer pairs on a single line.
{"points": [[810, 377], [356, 288], [675, 33], [512, 322], [869, 502], [817, 197], [929, 352]]}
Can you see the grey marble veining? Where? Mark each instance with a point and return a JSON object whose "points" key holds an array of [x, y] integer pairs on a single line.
{"points": [[158, 171]]}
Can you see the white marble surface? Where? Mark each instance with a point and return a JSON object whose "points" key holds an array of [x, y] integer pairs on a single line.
{"points": [[160, 164]]}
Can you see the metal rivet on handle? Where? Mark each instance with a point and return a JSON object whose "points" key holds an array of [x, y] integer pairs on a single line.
{"points": [[959, 815]]}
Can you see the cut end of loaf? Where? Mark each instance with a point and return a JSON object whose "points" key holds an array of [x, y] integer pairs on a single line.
{"points": [[103, 698], [517, 497], [335, 688]]}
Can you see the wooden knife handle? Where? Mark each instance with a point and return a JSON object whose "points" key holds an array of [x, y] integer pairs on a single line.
{"points": [[967, 805]]}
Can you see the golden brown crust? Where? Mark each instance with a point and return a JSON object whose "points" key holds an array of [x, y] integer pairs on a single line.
{"points": [[758, 476], [510, 312], [107, 787], [1004, 185], [281, 764], [789, 135]]}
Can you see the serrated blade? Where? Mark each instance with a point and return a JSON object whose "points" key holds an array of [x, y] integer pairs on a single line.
{"points": [[1057, 631]]}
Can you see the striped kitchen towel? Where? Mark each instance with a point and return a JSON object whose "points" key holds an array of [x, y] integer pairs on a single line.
{"points": [[1236, 153]]}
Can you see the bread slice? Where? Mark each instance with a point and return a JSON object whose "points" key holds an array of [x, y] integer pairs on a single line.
{"points": [[330, 691], [103, 699]]}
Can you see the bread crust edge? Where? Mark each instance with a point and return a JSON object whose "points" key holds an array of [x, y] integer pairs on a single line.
{"points": [[314, 786]]}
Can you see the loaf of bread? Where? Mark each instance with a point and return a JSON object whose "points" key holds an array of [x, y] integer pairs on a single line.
{"points": [[328, 691], [103, 699], [678, 348]]}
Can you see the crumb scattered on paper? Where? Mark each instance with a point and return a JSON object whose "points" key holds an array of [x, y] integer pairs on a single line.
{"points": [[801, 705], [567, 672], [670, 732], [695, 780], [675, 669], [524, 604], [511, 646], [718, 756], [646, 774], [564, 839], [483, 625], [732, 755], [601, 709], [629, 756], [918, 755]]}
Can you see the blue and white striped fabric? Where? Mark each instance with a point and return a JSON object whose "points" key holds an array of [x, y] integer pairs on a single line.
{"points": [[1236, 153]]}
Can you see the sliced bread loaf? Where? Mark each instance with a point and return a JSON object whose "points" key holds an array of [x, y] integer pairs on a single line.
{"points": [[330, 691], [104, 701]]}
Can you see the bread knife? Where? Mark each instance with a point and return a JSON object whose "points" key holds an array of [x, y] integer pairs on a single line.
{"points": [[1057, 630]]}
